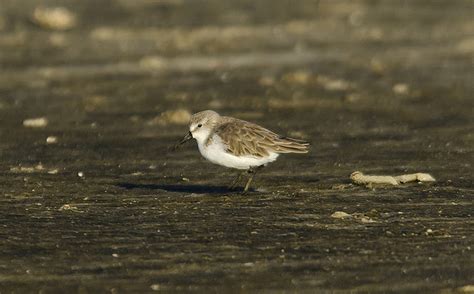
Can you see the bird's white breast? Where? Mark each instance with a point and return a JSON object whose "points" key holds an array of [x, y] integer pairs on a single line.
{"points": [[216, 153]]}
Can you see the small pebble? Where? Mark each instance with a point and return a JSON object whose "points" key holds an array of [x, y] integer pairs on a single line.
{"points": [[332, 84], [67, 207], [466, 289], [54, 18], [80, 174], [366, 220], [150, 62], [340, 214], [39, 122], [249, 264], [401, 89], [52, 140]]}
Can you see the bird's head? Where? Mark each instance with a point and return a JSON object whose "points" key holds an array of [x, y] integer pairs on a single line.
{"points": [[201, 125]]}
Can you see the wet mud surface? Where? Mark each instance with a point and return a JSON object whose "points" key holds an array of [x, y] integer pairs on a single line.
{"points": [[381, 87]]}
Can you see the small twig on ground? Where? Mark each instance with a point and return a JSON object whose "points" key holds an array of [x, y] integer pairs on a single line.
{"points": [[359, 178]]}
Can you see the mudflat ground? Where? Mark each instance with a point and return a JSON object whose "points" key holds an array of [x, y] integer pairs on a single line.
{"points": [[384, 87]]}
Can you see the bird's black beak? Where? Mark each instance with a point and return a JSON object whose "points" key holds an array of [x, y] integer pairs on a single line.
{"points": [[186, 138]]}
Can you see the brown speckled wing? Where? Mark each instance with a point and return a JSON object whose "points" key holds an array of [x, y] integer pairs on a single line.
{"points": [[247, 139]]}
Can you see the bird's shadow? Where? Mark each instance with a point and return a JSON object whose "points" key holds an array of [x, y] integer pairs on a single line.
{"points": [[196, 189]]}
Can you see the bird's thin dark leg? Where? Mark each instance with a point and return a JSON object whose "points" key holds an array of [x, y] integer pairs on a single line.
{"points": [[252, 171], [237, 179]]}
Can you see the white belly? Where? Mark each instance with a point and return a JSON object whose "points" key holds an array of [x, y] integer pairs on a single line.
{"points": [[215, 153]]}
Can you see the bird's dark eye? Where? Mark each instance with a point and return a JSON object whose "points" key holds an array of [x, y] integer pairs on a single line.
{"points": [[199, 125]]}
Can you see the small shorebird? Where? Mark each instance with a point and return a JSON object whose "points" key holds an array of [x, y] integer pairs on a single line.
{"points": [[238, 144]]}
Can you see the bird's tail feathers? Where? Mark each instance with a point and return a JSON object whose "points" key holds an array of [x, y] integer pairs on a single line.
{"points": [[291, 145]]}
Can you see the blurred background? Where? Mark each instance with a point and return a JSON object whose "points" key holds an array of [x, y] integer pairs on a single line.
{"points": [[329, 71], [92, 94]]}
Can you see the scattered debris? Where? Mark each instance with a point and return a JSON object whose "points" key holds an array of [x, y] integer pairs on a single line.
{"points": [[401, 89], [359, 178], [249, 264], [341, 214], [332, 84], [68, 207], [39, 168], [51, 140], [178, 117], [466, 289], [298, 77], [39, 122], [153, 62], [27, 169], [420, 177], [54, 18], [363, 218], [340, 187], [304, 78], [386, 215], [356, 216]]}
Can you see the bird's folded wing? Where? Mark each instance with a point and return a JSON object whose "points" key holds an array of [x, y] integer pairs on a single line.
{"points": [[247, 139]]}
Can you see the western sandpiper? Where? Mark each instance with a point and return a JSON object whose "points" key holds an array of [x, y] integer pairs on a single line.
{"points": [[238, 144]]}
